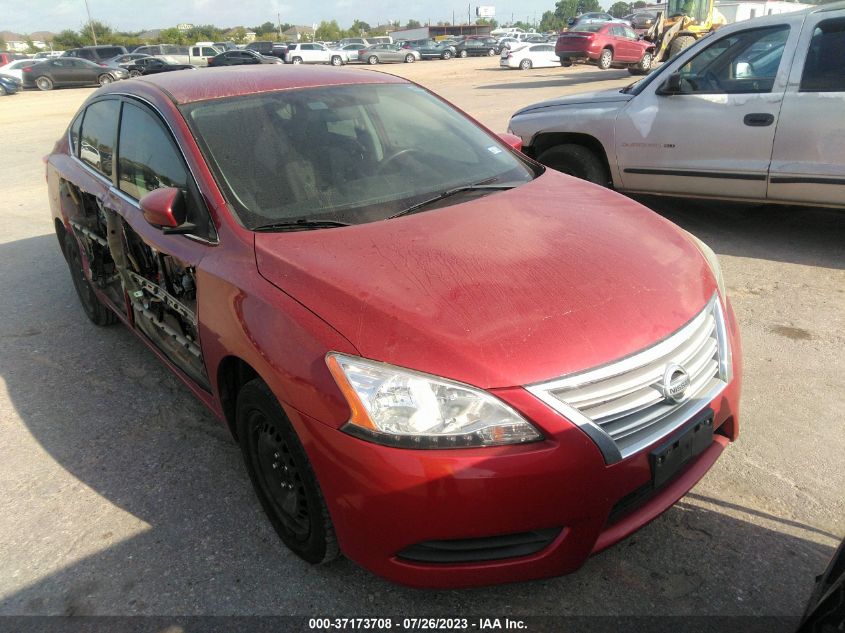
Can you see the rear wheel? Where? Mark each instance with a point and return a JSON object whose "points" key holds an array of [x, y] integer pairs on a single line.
{"points": [[491, 52], [2, 91], [44, 83], [605, 59], [94, 310], [565, 64], [409, 58], [525, 64], [462, 54], [336, 60], [576, 160], [296, 60], [372, 60], [282, 476], [680, 43], [643, 66]]}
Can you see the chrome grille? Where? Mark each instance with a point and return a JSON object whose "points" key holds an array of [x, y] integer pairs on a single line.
{"points": [[627, 405]]}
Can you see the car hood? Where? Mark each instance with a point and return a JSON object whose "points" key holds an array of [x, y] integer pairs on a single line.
{"points": [[512, 288], [600, 96]]}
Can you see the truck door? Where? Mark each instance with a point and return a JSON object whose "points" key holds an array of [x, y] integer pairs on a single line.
{"points": [[712, 133], [808, 160]]}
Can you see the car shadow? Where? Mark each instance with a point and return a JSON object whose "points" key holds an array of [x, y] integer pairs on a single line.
{"points": [[561, 78], [811, 236], [94, 406]]}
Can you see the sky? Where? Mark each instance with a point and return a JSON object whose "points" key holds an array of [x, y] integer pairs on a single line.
{"points": [[56, 15]]}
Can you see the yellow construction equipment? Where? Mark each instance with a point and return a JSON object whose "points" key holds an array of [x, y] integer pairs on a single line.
{"points": [[684, 22]]}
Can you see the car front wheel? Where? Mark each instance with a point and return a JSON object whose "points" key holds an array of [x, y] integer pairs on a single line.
{"points": [[44, 83], [372, 60], [282, 476], [94, 310], [447, 55], [105, 79], [605, 59], [337, 61], [643, 67], [296, 60], [409, 59], [576, 160], [525, 64]]}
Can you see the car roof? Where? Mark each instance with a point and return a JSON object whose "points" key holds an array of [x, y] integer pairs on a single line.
{"points": [[231, 81]]}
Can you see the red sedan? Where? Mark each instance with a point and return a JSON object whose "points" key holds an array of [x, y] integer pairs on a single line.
{"points": [[439, 358], [606, 44]]}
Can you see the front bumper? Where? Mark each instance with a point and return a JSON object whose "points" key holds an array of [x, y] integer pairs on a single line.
{"points": [[385, 500]]}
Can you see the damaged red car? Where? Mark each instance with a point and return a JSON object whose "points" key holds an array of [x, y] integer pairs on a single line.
{"points": [[440, 359]]}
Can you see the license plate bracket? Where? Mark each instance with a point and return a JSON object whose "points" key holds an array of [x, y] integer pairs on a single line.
{"points": [[668, 459]]}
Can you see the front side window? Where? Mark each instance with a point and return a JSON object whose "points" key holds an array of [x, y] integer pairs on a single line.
{"points": [[745, 62], [823, 70], [350, 154], [98, 135]]}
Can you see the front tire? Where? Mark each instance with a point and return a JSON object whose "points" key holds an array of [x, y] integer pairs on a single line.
{"points": [[372, 60], [282, 476], [44, 83], [643, 66], [409, 59], [491, 52], [447, 55], [576, 160], [105, 79], [525, 64], [94, 310], [296, 60], [337, 61], [605, 59]]}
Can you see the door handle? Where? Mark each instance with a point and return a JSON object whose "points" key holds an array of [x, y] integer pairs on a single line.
{"points": [[758, 119]]}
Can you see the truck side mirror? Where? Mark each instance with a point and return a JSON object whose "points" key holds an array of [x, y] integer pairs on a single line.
{"points": [[672, 85]]}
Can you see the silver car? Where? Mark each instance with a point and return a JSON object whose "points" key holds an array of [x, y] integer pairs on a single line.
{"points": [[386, 53]]}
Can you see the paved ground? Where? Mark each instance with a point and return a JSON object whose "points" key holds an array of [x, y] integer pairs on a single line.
{"points": [[121, 495]]}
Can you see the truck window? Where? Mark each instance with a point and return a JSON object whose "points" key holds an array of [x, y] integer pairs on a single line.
{"points": [[823, 70]]}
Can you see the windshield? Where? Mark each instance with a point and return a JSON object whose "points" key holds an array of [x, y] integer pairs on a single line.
{"points": [[350, 154], [695, 9]]}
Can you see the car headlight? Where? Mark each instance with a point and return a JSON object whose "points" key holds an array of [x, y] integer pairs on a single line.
{"points": [[404, 408], [713, 262]]}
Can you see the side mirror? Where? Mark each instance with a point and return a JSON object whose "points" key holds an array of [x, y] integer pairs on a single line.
{"points": [[570, 21], [164, 208], [512, 141], [671, 86]]}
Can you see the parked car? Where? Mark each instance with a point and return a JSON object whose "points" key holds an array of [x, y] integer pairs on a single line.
{"points": [[241, 58], [268, 49], [475, 48], [228, 46], [95, 53], [745, 113], [606, 44], [592, 18], [9, 85], [349, 52], [201, 54], [128, 58], [641, 20], [47, 54], [152, 66], [312, 54], [316, 289], [386, 53], [69, 71], [15, 68], [431, 49], [506, 42], [529, 56]]}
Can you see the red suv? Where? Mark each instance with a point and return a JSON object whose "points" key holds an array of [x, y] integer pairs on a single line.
{"points": [[441, 359], [606, 44]]}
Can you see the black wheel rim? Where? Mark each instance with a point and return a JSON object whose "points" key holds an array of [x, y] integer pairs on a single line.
{"points": [[279, 475]]}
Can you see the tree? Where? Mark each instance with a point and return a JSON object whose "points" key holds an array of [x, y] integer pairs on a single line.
{"points": [[640, 4], [487, 22], [619, 9], [550, 22], [238, 35], [103, 32], [358, 28], [67, 39], [413, 24], [329, 31], [565, 9], [172, 36]]}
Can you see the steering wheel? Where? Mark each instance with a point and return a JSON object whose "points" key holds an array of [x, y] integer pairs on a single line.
{"points": [[388, 160], [712, 80]]}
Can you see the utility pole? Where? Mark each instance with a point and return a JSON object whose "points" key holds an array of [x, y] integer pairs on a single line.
{"points": [[91, 23], [279, 21], [468, 14]]}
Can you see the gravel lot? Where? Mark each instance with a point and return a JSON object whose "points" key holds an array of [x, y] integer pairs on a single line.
{"points": [[122, 495]]}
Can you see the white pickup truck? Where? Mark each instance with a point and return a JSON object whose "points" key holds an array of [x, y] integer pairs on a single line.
{"points": [[753, 112]]}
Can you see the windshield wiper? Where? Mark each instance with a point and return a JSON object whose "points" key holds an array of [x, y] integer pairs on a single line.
{"points": [[298, 225], [480, 186], [627, 88]]}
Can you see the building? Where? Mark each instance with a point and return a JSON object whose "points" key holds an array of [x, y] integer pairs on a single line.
{"points": [[738, 10], [435, 32]]}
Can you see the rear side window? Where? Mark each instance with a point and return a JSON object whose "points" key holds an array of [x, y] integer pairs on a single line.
{"points": [[824, 70], [74, 134], [98, 135]]}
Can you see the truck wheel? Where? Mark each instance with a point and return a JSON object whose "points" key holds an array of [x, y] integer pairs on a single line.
{"points": [[296, 60], [576, 160], [605, 59], [643, 67], [679, 44], [337, 61]]}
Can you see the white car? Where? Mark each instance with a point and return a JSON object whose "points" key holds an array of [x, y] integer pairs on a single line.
{"points": [[313, 53], [15, 68], [752, 112], [529, 56]]}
